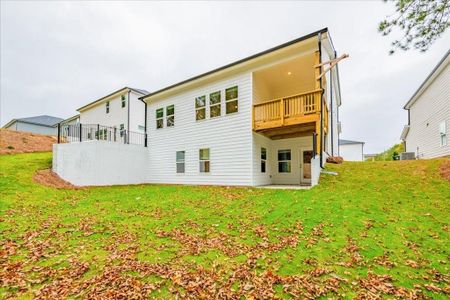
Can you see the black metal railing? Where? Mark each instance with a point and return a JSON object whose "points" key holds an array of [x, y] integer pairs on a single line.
{"points": [[91, 132]]}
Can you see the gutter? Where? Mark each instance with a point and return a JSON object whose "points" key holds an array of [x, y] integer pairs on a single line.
{"points": [[128, 118], [331, 109], [308, 36], [145, 122], [321, 103]]}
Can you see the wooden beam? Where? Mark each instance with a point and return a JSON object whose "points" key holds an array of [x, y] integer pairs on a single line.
{"points": [[317, 69]]}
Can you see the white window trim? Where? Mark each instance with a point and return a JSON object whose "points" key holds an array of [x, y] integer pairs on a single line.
{"points": [[168, 116], [160, 118], [263, 160], [200, 160], [278, 161], [199, 108], [216, 104], [229, 100], [180, 162], [123, 101], [107, 107]]}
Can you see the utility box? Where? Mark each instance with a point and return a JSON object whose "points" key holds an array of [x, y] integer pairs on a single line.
{"points": [[407, 156]]}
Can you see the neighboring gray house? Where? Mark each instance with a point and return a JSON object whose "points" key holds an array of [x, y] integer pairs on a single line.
{"points": [[40, 124], [426, 134], [351, 150]]}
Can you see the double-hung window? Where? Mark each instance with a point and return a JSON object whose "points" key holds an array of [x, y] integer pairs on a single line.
{"points": [[122, 100], [200, 108], [284, 161], [214, 104], [204, 160], [180, 161], [159, 118], [107, 107], [121, 129], [231, 100], [170, 115], [263, 160], [443, 133]]}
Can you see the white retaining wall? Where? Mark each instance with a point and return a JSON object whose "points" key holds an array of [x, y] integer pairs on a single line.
{"points": [[101, 163]]}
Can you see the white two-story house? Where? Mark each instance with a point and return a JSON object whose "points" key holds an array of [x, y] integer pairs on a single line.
{"points": [[265, 119], [121, 109], [268, 119], [426, 134]]}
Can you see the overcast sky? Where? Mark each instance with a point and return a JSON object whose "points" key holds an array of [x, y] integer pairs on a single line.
{"points": [[58, 56]]}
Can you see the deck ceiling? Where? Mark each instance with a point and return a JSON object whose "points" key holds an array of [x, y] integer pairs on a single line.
{"points": [[285, 79], [287, 132]]}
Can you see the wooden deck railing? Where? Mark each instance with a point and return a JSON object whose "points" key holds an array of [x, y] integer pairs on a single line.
{"points": [[286, 111]]}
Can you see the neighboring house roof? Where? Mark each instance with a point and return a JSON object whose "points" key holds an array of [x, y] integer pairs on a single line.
{"points": [[70, 119], [404, 132], [308, 36], [43, 120], [348, 142], [139, 91], [436, 71]]}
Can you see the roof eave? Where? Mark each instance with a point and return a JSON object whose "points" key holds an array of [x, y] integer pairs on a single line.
{"points": [[236, 63]]}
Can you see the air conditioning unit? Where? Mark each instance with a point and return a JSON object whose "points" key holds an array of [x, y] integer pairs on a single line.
{"points": [[407, 156]]}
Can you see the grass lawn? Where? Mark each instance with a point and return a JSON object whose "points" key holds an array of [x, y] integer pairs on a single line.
{"points": [[378, 229]]}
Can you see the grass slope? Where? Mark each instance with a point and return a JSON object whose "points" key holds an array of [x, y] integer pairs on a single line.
{"points": [[376, 229]]}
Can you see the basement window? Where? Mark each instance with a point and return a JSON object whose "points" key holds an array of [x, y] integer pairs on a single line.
{"points": [[204, 160], [214, 105], [263, 160], [107, 107], [180, 161], [443, 133], [200, 108], [231, 100], [121, 129], [170, 115], [284, 161], [159, 118], [122, 99]]}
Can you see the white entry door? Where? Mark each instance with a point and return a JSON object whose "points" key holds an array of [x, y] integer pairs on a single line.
{"points": [[305, 165]]}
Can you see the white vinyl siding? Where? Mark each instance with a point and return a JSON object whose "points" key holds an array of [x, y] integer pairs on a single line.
{"points": [[426, 114], [228, 137], [272, 176], [351, 152], [117, 114]]}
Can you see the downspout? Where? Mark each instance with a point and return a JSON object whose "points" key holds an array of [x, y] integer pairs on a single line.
{"points": [[145, 123], [321, 103], [331, 109], [128, 121]]}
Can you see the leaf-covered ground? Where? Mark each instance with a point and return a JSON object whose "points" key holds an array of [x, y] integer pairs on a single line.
{"points": [[377, 230]]}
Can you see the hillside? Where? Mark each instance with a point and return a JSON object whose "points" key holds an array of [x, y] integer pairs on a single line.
{"points": [[12, 142], [388, 154], [377, 230]]}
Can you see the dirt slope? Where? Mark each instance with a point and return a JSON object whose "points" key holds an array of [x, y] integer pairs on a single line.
{"points": [[23, 142]]}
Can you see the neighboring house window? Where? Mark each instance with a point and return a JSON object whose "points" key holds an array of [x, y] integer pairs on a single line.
{"points": [[231, 100], [107, 107], [159, 118], [121, 129], [180, 161], [214, 104], [141, 128], [204, 160], [170, 115], [443, 133], [200, 108], [122, 98], [284, 161], [263, 160]]}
